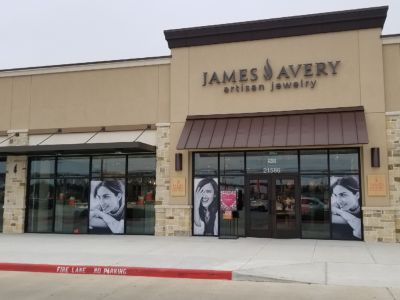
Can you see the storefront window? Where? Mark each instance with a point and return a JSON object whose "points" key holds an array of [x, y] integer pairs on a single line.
{"points": [[66, 195], [144, 165], [72, 205], [41, 205], [272, 162], [232, 163], [206, 164], [343, 161], [314, 161], [41, 195], [73, 166], [72, 209], [42, 168], [315, 217], [108, 166], [2, 188], [247, 189], [141, 188], [140, 215]]}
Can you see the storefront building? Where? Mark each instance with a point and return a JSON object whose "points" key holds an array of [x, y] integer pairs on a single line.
{"points": [[280, 128]]}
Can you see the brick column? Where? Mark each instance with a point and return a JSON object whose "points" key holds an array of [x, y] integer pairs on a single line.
{"points": [[162, 176], [379, 224], [171, 219], [15, 186], [178, 220], [393, 140], [382, 224]]}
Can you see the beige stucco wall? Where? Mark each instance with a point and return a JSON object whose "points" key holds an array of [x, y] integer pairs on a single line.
{"points": [[124, 96], [175, 132], [376, 123], [391, 63], [5, 102], [359, 81]]}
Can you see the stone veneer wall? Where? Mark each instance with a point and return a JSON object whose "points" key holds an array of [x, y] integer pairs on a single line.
{"points": [[171, 220], [379, 224], [393, 140], [15, 186], [176, 219], [162, 176], [382, 224]]}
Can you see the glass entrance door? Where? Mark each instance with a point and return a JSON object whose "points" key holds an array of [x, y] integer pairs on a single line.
{"points": [[258, 206], [272, 206]]}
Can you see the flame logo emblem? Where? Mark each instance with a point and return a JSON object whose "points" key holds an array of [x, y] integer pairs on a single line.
{"points": [[267, 71]]}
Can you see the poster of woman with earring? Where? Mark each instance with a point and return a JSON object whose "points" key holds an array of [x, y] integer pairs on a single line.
{"points": [[346, 208], [205, 206]]}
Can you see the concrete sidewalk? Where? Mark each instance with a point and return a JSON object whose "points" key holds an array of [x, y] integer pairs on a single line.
{"points": [[307, 261]]}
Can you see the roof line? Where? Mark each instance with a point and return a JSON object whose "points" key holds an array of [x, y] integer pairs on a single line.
{"points": [[390, 35], [337, 21], [85, 63]]}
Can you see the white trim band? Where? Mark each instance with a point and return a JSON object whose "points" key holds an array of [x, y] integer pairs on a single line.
{"points": [[390, 40], [393, 113]]}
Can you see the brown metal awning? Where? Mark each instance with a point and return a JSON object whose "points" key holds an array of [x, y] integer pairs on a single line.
{"points": [[76, 148], [319, 127], [84, 142]]}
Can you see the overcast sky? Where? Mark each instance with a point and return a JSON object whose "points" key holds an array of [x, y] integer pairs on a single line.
{"points": [[51, 32]]}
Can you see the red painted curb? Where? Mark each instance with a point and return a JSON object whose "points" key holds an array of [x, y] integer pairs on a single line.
{"points": [[118, 270]]}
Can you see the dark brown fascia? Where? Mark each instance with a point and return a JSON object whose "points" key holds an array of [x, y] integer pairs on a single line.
{"points": [[277, 113], [337, 21], [390, 35]]}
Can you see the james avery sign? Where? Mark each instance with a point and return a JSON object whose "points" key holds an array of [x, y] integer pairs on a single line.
{"points": [[293, 76]]}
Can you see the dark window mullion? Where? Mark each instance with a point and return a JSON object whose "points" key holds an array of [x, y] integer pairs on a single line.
{"points": [[126, 191], [55, 182], [330, 196], [89, 191]]}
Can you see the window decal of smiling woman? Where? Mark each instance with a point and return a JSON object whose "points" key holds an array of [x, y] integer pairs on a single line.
{"points": [[346, 208], [205, 206], [107, 203]]}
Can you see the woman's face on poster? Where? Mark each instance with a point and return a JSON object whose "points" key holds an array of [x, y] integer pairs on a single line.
{"points": [[109, 202], [345, 199], [207, 194]]}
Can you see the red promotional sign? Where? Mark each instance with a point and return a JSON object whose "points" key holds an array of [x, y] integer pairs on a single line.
{"points": [[228, 201]]}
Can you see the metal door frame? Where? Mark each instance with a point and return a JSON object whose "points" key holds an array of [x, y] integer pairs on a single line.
{"points": [[295, 177], [271, 179]]}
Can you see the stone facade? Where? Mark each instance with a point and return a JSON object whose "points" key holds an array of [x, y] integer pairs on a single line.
{"points": [[379, 224], [171, 220], [175, 220], [15, 186], [393, 140], [162, 176], [382, 224]]}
